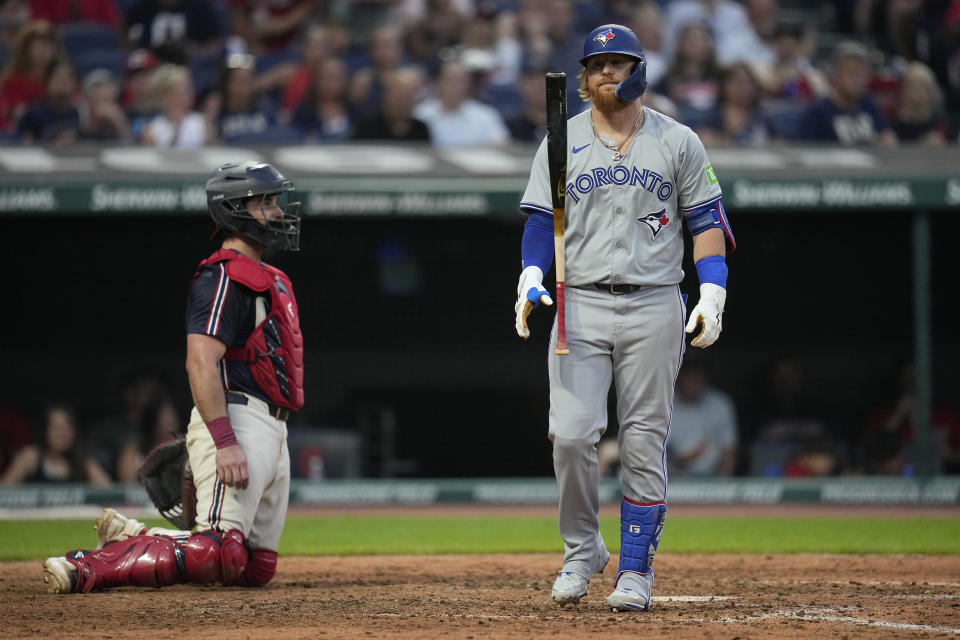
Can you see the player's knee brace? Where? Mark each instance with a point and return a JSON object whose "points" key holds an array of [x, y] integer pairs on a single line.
{"points": [[261, 568], [234, 557], [640, 528], [209, 557], [201, 558]]}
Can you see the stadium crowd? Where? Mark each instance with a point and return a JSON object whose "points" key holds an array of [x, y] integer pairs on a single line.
{"points": [[179, 73]]}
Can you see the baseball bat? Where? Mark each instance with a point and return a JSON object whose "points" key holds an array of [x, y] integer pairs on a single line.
{"points": [[557, 160]]}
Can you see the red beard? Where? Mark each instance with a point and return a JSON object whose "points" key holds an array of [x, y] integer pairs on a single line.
{"points": [[607, 101]]}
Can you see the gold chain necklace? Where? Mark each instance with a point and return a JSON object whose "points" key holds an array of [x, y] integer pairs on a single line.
{"points": [[613, 146]]}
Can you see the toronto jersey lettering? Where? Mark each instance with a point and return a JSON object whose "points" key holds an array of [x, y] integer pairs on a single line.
{"points": [[624, 218]]}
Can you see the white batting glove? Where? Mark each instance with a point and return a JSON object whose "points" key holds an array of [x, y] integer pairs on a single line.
{"points": [[709, 313], [530, 293]]}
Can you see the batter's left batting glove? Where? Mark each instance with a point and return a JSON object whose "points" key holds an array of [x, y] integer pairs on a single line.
{"points": [[709, 314], [530, 293]]}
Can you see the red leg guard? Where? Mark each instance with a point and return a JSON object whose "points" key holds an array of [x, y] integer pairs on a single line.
{"points": [[145, 561], [201, 557], [260, 569], [158, 561], [233, 558]]}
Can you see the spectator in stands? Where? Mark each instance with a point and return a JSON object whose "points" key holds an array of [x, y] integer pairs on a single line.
{"points": [[692, 82], [441, 27], [782, 420], [817, 457], [24, 78], [736, 119], [703, 428], [177, 124], [889, 438], [60, 11], [920, 116], [848, 115], [385, 54], [647, 22], [792, 77], [530, 124], [325, 116], [160, 422], [177, 31], [754, 44], [493, 34], [726, 20], [139, 391], [55, 120], [138, 98], [293, 80], [552, 39], [14, 434], [454, 118], [270, 28], [101, 115], [237, 108], [59, 457], [394, 119]]}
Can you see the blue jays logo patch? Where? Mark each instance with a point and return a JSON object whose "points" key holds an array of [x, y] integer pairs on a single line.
{"points": [[656, 221], [604, 38]]}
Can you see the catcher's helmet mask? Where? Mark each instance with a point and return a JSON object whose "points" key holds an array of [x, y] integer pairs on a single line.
{"points": [[616, 38], [231, 187]]}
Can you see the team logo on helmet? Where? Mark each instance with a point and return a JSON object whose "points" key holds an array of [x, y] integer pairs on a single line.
{"points": [[604, 38], [655, 221]]}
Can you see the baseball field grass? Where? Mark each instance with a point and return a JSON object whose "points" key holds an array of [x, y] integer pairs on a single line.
{"points": [[314, 535]]}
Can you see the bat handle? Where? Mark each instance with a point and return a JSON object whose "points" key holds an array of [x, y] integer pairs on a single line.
{"points": [[562, 348]]}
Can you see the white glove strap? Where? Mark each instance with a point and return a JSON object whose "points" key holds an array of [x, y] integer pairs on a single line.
{"points": [[532, 276], [713, 294]]}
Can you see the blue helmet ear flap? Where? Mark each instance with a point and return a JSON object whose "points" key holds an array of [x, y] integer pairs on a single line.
{"points": [[634, 86]]}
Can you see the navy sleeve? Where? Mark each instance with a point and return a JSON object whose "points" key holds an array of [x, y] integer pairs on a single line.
{"points": [[214, 305], [817, 122]]}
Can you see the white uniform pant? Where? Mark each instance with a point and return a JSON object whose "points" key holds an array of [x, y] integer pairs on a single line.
{"points": [[259, 510]]}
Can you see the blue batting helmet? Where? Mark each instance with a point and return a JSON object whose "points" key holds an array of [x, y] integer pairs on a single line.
{"points": [[616, 38]]}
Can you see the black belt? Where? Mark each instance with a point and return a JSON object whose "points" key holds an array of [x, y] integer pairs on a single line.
{"points": [[617, 289], [280, 413]]}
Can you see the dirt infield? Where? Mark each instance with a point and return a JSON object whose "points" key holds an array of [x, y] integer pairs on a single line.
{"points": [[508, 596]]}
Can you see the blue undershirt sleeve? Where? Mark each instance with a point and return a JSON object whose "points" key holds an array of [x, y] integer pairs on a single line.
{"points": [[536, 247]]}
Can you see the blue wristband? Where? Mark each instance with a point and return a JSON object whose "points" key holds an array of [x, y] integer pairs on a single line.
{"points": [[536, 247], [713, 269]]}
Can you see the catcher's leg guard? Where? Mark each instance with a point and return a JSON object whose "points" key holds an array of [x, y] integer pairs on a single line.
{"points": [[158, 561], [260, 569], [144, 561], [234, 557], [640, 529]]}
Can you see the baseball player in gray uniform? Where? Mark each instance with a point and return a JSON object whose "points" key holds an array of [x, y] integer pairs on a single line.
{"points": [[634, 177]]}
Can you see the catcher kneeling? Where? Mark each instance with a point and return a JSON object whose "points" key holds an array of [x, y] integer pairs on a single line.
{"points": [[226, 486]]}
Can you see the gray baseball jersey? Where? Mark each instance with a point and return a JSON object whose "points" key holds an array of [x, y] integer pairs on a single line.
{"points": [[623, 219], [623, 226]]}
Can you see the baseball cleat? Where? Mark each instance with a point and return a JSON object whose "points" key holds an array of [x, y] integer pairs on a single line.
{"points": [[632, 592], [568, 588], [59, 574], [112, 527]]}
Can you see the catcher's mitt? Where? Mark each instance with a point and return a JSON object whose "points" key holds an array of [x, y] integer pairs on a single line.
{"points": [[168, 479]]}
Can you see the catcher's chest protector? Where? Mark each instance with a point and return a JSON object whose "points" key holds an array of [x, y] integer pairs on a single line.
{"points": [[274, 350]]}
